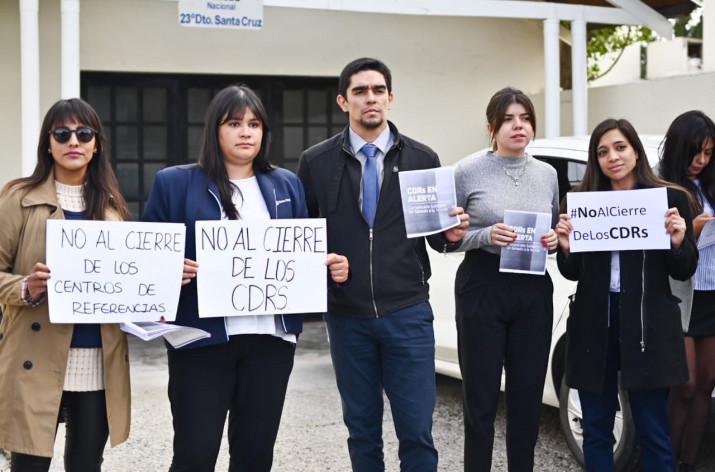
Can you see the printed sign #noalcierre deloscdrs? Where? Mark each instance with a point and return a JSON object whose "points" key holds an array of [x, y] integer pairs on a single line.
{"points": [[235, 14], [618, 220]]}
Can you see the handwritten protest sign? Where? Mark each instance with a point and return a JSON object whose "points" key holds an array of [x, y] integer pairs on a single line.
{"points": [[618, 220], [113, 271], [261, 267]]}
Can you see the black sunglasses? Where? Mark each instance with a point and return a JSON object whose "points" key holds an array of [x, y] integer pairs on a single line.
{"points": [[63, 134]]}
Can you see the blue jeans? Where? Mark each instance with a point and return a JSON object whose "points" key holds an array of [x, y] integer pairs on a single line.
{"points": [[648, 407], [395, 353]]}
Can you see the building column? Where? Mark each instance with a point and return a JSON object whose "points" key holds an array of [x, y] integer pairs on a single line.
{"points": [[70, 48], [579, 77], [30, 86], [552, 85], [709, 35]]}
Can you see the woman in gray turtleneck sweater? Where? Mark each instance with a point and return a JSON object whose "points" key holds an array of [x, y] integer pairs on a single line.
{"points": [[503, 319]]}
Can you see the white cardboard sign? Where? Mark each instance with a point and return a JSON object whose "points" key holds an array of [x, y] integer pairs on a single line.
{"points": [[114, 271], [261, 267], [618, 220]]}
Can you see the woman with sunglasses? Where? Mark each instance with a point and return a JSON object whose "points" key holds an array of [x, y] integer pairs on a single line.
{"points": [[49, 373], [625, 322], [242, 370]]}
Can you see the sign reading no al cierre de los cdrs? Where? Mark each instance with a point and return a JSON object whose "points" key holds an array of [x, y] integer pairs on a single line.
{"points": [[236, 14], [261, 267]]}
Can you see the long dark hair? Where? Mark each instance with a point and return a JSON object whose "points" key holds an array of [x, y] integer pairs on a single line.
{"points": [[229, 104], [100, 189], [686, 137], [594, 178], [498, 104]]}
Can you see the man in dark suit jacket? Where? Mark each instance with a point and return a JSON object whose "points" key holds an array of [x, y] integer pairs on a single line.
{"points": [[380, 325]]}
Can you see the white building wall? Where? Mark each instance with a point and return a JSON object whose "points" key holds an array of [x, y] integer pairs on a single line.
{"points": [[650, 105], [709, 36], [444, 69], [10, 137], [667, 58], [627, 69]]}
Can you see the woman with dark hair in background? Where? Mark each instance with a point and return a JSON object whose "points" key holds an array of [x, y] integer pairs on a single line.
{"points": [[243, 368], [624, 317], [51, 372], [686, 153], [503, 319]]}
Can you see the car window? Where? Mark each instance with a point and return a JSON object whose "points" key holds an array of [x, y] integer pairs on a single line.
{"points": [[569, 173]]}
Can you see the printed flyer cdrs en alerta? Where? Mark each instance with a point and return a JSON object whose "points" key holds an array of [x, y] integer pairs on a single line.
{"points": [[235, 14]]}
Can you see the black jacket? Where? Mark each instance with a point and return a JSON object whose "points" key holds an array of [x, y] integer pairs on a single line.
{"points": [[388, 271], [652, 349]]}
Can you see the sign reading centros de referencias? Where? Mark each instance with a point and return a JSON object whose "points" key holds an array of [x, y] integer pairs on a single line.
{"points": [[618, 220], [113, 271], [236, 14], [261, 267]]}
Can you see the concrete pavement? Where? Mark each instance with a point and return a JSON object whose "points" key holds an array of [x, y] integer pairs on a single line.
{"points": [[312, 437]]}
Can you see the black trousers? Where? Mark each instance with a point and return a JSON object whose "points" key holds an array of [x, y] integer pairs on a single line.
{"points": [[246, 378], [503, 320], [87, 430]]}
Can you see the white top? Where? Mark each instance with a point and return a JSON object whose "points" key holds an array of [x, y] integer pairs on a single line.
{"points": [[251, 206], [615, 272], [615, 278], [70, 197]]}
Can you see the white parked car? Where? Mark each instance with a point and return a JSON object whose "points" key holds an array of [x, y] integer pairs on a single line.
{"points": [[568, 156]]}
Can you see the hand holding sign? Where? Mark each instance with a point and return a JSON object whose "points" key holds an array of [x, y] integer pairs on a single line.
{"points": [[339, 267], [458, 233], [675, 225], [191, 268], [502, 234], [563, 232], [550, 240], [37, 280]]}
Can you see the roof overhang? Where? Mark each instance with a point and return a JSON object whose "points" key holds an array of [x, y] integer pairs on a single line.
{"points": [[667, 8], [624, 12]]}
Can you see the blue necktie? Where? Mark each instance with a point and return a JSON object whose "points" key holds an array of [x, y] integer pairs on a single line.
{"points": [[370, 183]]}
